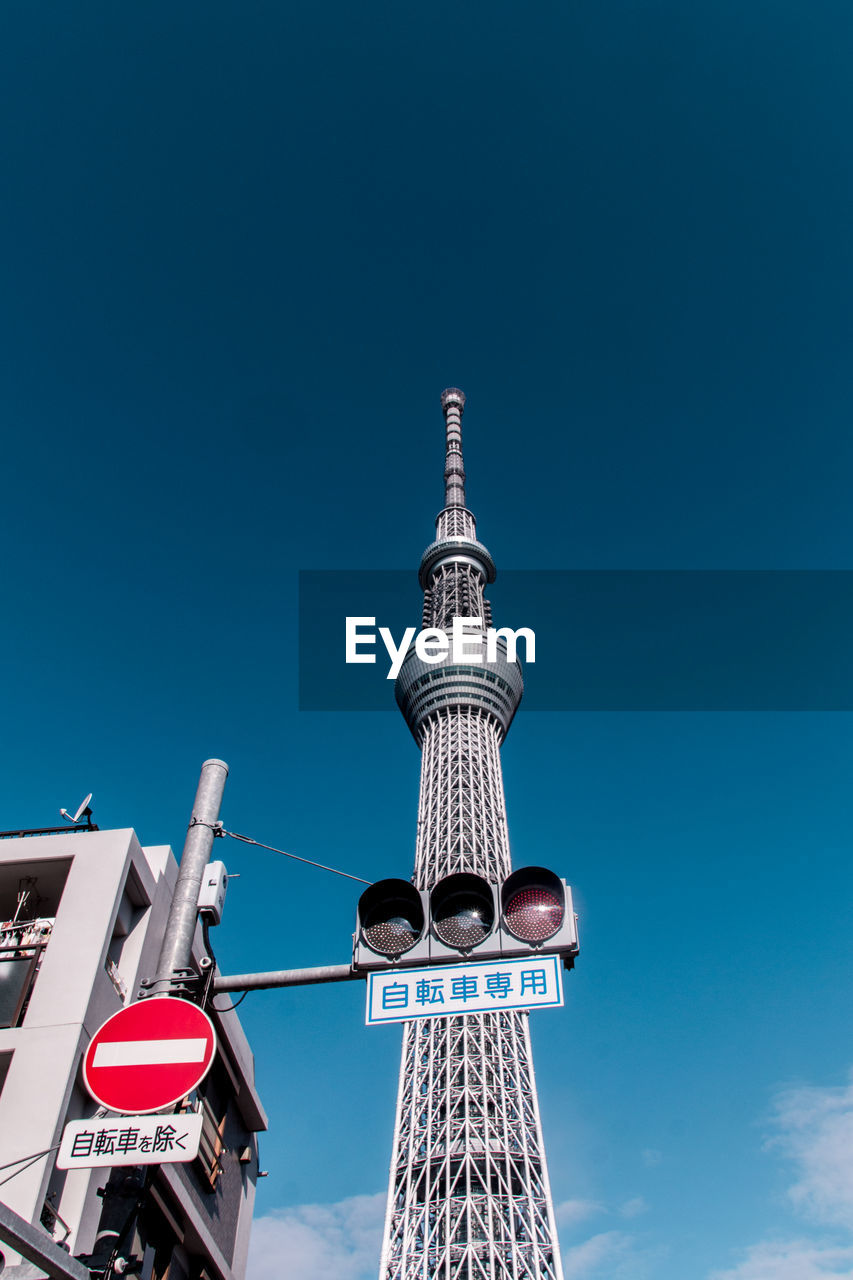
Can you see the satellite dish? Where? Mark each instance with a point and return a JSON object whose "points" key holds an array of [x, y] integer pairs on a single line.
{"points": [[84, 809]]}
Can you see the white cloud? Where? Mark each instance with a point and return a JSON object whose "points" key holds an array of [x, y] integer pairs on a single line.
{"points": [[634, 1207], [652, 1157], [603, 1250], [571, 1211], [342, 1242], [613, 1255], [791, 1260], [319, 1241], [816, 1130]]}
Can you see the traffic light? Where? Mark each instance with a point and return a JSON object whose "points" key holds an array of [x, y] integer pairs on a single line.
{"points": [[391, 919], [465, 917], [463, 911]]}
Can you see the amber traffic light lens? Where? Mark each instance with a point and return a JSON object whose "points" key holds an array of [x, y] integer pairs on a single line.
{"points": [[464, 919], [534, 913]]}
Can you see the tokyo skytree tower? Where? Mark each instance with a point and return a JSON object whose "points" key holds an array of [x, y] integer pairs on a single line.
{"points": [[469, 1197]]}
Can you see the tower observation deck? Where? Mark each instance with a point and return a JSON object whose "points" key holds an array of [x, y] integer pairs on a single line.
{"points": [[469, 1197]]}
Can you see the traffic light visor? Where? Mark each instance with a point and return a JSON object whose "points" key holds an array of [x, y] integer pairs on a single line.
{"points": [[534, 904], [462, 909], [391, 916]]}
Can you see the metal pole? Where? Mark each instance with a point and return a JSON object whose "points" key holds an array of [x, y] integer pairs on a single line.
{"points": [[37, 1247], [176, 952], [123, 1196], [285, 978]]}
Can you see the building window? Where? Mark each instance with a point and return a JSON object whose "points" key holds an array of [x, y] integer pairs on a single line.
{"points": [[51, 1220], [5, 1064], [125, 947], [159, 1236]]}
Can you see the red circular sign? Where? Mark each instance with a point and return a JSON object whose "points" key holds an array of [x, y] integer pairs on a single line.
{"points": [[149, 1055]]}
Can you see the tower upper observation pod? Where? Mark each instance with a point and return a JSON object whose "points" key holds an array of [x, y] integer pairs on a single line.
{"points": [[454, 571]]}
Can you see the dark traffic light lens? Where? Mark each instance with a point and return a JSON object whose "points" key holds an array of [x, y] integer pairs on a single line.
{"points": [[389, 929], [534, 914], [463, 920]]}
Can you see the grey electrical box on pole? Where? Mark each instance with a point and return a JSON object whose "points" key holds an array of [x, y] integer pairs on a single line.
{"points": [[214, 885], [175, 960]]}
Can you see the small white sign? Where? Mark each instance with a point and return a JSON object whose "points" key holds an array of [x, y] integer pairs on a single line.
{"points": [[529, 982], [92, 1144]]}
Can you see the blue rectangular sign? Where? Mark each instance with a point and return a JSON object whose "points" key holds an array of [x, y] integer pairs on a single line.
{"points": [[487, 986]]}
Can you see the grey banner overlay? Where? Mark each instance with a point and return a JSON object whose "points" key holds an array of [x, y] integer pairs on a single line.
{"points": [[612, 640]]}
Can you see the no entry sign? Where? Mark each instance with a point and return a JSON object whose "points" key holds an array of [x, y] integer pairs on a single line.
{"points": [[149, 1055]]}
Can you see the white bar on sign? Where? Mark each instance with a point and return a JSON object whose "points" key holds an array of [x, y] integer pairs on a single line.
{"points": [[148, 1053]]}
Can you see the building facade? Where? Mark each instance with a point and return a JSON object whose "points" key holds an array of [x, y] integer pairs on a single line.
{"points": [[82, 915], [469, 1197]]}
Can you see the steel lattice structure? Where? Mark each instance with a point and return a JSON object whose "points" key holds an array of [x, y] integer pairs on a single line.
{"points": [[469, 1197]]}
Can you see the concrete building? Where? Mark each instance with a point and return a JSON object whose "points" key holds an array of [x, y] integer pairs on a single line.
{"points": [[81, 920]]}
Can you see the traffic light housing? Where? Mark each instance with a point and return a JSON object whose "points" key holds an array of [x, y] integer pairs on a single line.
{"points": [[465, 917]]}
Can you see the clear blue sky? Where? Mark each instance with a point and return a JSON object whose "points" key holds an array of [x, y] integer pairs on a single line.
{"points": [[246, 246]]}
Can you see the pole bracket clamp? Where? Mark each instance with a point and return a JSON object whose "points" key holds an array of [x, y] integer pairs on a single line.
{"points": [[216, 827]]}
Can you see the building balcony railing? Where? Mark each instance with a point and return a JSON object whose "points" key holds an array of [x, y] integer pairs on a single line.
{"points": [[22, 946]]}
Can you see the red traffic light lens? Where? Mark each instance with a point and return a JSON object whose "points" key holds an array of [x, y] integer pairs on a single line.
{"points": [[534, 913]]}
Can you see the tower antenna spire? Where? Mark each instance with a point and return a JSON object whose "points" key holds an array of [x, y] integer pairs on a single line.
{"points": [[453, 405]]}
